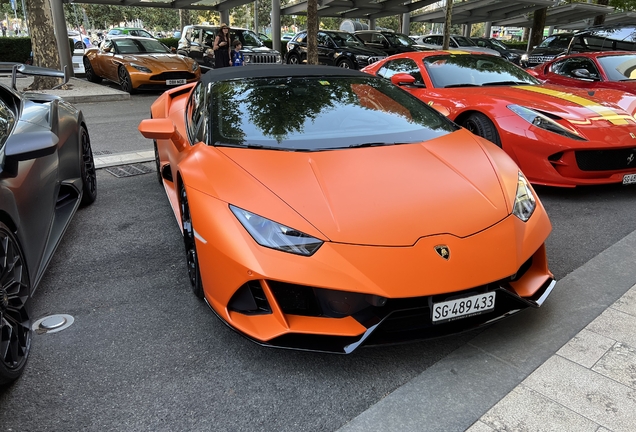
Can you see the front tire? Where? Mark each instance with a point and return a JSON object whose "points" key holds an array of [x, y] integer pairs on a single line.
{"points": [[124, 80], [345, 64], [481, 125], [293, 59], [15, 321], [88, 173], [192, 259]]}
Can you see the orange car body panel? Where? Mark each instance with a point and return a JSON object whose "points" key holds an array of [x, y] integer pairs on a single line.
{"points": [[386, 253], [604, 118]]}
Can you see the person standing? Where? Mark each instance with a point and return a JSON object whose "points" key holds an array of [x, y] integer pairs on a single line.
{"points": [[221, 47], [237, 55]]}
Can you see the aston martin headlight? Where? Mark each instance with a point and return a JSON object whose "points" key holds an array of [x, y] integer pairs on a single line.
{"points": [[525, 202], [141, 68], [276, 236], [544, 122], [195, 66]]}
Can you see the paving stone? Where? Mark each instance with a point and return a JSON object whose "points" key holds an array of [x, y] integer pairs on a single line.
{"points": [[586, 348], [617, 325], [598, 398], [619, 364], [627, 303], [526, 410]]}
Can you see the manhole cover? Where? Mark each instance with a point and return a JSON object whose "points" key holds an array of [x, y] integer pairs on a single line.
{"points": [[101, 152], [129, 170], [52, 323]]}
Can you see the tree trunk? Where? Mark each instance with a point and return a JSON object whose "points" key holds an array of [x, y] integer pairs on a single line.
{"points": [[600, 19], [42, 41], [447, 24], [312, 32], [538, 24], [184, 18]]}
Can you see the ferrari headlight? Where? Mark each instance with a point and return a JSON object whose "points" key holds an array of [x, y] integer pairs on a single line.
{"points": [[140, 68], [195, 66], [525, 202], [276, 236], [544, 122]]}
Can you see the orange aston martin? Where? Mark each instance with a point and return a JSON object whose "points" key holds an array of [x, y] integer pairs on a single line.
{"points": [[139, 63], [323, 209]]}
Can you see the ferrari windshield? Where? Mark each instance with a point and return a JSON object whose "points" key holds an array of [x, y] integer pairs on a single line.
{"points": [[319, 113], [138, 46], [467, 70], [619, 67]]}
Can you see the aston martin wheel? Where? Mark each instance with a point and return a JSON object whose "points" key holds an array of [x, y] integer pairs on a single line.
{"points": [[157, 163], [345, 63], [89, 72], [481, 125], [124, 80], [293, 59], [15, 321], [89, 175], [190, 246]]}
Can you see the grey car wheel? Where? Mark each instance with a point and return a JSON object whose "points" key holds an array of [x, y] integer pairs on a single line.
{"points": [[124, 80]]}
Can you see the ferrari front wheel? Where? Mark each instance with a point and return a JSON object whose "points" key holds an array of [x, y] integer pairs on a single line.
{"points": [[192, 260], [124, 80], [15, 322], [89, 175], [481, 125]]}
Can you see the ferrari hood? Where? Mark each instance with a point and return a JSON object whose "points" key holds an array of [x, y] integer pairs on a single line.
{"points": [[160, 61], [384, 196], [577, 105]]}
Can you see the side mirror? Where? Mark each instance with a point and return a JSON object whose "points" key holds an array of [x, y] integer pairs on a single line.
{"points": [[27, 146], [582, 73], [401, 79], [162, 129]]}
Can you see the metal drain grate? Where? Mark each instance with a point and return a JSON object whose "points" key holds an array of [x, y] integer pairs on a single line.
{"points": [[129, 170], [101, 152]]}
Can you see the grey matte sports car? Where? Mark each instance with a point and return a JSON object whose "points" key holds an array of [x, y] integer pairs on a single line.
{"points": [[46, 173]]}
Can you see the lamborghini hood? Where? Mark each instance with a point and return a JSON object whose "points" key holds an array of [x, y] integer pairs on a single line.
{"points": [[384, 196]]}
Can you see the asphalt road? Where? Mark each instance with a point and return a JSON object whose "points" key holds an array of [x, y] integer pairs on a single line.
{"points": [[145, 354]]}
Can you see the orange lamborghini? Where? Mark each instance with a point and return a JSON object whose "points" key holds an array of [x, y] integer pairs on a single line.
{"points": [[138, 63], [559, 136], [323, 208]]}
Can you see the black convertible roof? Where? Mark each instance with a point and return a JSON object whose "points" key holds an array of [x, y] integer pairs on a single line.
{"points": [[275, 71]]}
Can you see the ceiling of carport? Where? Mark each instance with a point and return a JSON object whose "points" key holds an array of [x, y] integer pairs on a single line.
{"points": [[358, 8], [559, 16], [213, 5], [614, 18], [476, 11]]}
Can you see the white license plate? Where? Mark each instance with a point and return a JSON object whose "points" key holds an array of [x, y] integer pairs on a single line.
{"points": [[175, 82], [463, 307], [629, 179]]}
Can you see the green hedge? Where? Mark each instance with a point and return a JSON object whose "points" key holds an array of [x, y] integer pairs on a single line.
{"points": [[15, 49]]}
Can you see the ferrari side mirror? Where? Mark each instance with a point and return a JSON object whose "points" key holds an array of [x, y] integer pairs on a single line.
{"points": [[401, 79], [162, 129]]}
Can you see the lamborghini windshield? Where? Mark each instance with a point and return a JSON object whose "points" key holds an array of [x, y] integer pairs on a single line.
{"points": [[469, 70], [319, 113]]}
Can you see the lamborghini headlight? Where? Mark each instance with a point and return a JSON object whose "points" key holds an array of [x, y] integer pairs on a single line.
{"points": [[544, 122], [525, 202], [276, 236], [140, 68]]}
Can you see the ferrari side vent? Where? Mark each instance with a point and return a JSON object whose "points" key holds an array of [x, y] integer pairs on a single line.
{"points": [[555, 157], [250, 299]]}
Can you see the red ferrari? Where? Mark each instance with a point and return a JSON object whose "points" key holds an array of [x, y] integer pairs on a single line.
{"points": [[596, 70], [559, 136]]}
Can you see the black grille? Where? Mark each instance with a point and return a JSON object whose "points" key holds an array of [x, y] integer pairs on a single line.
{"points": [[172, 75], [538, 59], [263, 58], [606, 160]]}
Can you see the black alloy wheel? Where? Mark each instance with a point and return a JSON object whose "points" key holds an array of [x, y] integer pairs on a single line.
{"points": [[158, 163], [89, 175], [293, 59], [124, 80], [190, 246], [346, 64], [89, 72], [481, 125], [15, 321]]}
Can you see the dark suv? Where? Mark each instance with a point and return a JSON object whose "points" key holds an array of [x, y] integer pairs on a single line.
{"points": [[335, 48], [551, 47], [197, 40], [388, 41]]}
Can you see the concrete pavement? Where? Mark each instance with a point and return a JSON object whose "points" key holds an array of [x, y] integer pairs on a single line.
{"points": [[551, 369]]}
